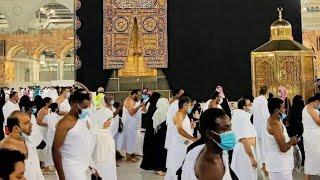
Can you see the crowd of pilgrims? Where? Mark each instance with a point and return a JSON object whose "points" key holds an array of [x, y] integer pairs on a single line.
{"points": [[81, 135]]}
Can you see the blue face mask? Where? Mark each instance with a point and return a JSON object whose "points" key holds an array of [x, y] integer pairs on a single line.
{"points": [[84, 113], [34, 111], [144, 97], [282, 116], [189, 110], [228, 140]]}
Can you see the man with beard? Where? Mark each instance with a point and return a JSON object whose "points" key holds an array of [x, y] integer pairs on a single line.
{"points": [[130, 119], [19, 127]]}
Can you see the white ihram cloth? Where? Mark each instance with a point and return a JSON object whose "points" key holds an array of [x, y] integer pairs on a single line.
{"points": [[104, 152], [205, 106], [159, 115], [32, 163], [64, 106], [45, 93], [172, 110], [53, 94], [191, 160], [241, 163], [75, 152], [260, 119], [177, 150], [115, 124], [130, 130], [44, 131], [36, 136], [140, 135], [311, 148], [52, 120], [7, 109], [278, 164]]}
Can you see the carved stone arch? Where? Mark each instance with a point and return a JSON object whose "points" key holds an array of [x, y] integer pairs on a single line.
{"points": [[13, 51], [64, 49], [40, 49]]}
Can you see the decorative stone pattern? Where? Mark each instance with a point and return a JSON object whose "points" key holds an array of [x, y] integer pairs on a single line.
{"points": [[293, 70], [119, 17], [61, 41], [58, 40], [264, 71], [311, 39]]}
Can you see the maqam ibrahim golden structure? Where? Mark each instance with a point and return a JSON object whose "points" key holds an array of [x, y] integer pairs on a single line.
{"points": [[283, 62]]}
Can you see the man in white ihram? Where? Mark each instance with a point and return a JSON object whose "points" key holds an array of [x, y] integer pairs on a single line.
{"points": [[19, 128], [260, 118], [71, 144], [10, 106], [130, 118], [172, 110]]}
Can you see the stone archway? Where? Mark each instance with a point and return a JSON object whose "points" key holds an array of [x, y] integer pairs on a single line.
{"points": [[39, 50], [64, 50], [13, 51]]}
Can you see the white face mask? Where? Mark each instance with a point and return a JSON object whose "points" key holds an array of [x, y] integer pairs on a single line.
{"points": [[68, 95], [112, 102]]}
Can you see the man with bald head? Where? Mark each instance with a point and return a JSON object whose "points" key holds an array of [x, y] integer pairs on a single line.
{"points": [[19, 127]]}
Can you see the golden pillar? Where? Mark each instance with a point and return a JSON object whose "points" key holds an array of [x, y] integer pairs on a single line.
{"points": [[283, 62]]}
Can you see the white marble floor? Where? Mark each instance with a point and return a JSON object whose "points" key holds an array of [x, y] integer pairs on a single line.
{"points": [[127, 171], [132, 171]]}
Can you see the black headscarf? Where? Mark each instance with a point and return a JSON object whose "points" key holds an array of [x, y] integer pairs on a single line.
{"points": [[295, 122]]}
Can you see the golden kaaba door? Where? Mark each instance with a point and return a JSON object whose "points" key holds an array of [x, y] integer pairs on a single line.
{"points": [[135, 64], [135, 36]]}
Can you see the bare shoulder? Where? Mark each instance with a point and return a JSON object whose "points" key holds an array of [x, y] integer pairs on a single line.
{"points": [[5, 143], [59, 100], [8, 143], [209, 166], [274, 126], [129, 103], [67, 122], [178, 117], [43, 111]]}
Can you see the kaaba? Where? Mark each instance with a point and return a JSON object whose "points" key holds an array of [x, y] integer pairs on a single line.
{"points": [[209, 43]]}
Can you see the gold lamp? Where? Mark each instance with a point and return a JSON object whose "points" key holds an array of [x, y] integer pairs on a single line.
{"points": [[283, 62]]}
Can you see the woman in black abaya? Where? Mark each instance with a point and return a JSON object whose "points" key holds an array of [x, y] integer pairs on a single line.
{"points": [[149, 143]]}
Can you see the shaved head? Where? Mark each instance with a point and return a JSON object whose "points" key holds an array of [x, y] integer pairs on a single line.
{"points": [[19, 114]]}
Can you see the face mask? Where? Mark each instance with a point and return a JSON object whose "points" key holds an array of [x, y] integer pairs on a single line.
{"points": [[189, 110], [228, 140], [24, 136], [84, 113], [282, 116], [144, 96], [68, 95], [34, 110], [112, 102]]}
